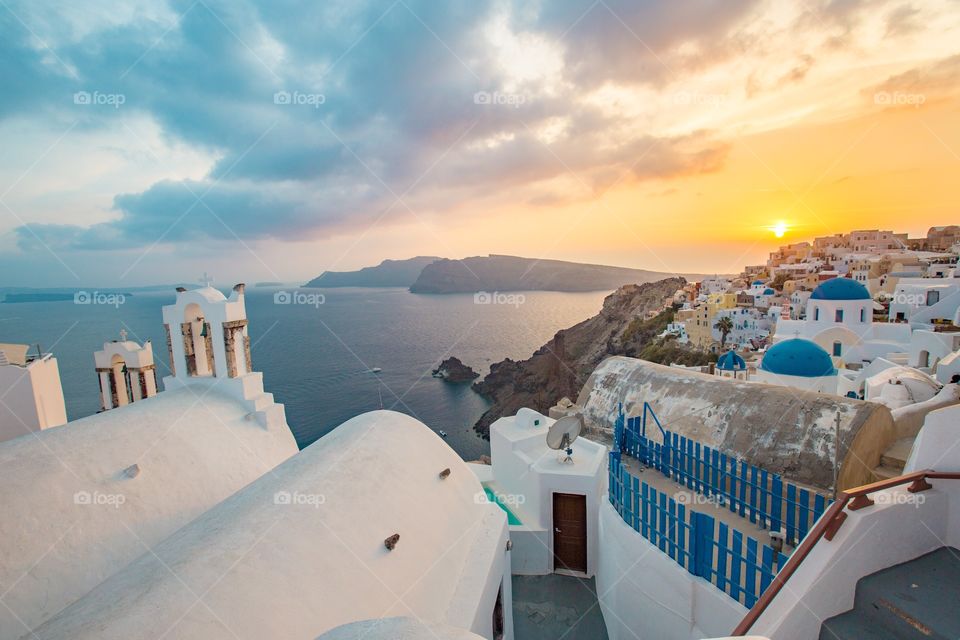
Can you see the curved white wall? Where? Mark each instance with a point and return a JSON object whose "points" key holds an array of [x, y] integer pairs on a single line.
{"points": [[71, 517], [644, 595], [301, 550]]}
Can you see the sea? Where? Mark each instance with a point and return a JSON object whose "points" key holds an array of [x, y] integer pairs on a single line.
{"points": [[317, 348]]}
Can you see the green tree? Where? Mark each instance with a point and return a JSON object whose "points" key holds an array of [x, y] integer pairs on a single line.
{"points": [[724, 325]]}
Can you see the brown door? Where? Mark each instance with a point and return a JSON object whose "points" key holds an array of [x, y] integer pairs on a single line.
{"points": [[570, 532]]}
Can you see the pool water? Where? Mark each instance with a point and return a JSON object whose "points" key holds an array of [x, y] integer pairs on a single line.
{"points": [[511, 516]]}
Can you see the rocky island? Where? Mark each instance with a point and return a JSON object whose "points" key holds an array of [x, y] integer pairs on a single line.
{"points": [[453, 370], [512, 273], [389, 273], [559, 368]]}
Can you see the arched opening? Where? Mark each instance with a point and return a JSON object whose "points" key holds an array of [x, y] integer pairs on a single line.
{"points": [[119, 382], [197, 342], [923, 361]]}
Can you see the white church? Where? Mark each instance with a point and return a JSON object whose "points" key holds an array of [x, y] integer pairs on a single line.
{"points": [[839, 348]]}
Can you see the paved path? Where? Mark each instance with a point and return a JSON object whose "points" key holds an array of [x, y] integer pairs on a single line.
{"points": [[556, 607]]}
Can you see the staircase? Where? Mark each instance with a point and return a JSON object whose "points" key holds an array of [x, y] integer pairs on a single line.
{"points": [[894, 459], [916, 599]]}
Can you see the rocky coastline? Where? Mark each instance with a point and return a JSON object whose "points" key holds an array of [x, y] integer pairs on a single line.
{"points": [[628, 324]]}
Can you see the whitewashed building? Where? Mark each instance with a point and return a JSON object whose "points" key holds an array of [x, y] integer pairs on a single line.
{"points": [[839, 318], [31, 392], [125, 371]]}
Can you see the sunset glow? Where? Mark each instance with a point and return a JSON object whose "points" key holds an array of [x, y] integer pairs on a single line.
{"points": [[618, 133]]}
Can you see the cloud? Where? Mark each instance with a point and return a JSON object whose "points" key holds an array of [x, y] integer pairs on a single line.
{"points": [[318, 116], [918, 86], [642, 42], [319, 122]]}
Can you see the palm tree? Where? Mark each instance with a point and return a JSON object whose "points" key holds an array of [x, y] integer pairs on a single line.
{"points": [[724, 325]]}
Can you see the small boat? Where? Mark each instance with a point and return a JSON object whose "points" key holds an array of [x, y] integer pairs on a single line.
{"points": [[443, 434], [375, 370]]}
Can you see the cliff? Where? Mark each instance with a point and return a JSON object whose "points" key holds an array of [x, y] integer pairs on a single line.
{"points": [[510, 273], [389, 273], [561, 367]]}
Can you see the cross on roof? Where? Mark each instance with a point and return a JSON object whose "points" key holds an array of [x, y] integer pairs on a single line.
{"points": [[206, 280], [123, 335]]}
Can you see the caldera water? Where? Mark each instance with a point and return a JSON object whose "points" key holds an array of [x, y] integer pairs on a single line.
{"points": [[316, 350]]}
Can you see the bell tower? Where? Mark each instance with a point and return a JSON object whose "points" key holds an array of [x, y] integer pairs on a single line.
{"points": [[207, 334], [208, 345], [126, 372]]}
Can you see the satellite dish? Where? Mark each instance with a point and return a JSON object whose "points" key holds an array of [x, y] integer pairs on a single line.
{"points": [[562, 434]]}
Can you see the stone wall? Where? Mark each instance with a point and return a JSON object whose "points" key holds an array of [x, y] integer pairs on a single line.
{"points": [[781, 429]]}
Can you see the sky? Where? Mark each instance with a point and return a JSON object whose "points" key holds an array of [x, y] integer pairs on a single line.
{"points": [[150, 142]]}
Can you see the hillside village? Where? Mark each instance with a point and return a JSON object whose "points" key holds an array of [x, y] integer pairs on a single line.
{"points": [[860, 297]]}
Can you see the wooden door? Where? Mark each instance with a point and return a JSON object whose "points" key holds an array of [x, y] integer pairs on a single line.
{"points": [[569, 532]]}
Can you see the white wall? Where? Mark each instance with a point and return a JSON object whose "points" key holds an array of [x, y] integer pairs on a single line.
{"points": [[301, 550], [644, 595], [529, 472], [32, 398], [899, 527], [72, 517]]}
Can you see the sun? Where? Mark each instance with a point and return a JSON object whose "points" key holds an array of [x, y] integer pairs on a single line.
{"points": [[779, 229]]}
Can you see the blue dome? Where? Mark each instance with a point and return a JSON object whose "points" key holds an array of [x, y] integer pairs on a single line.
{"points": [[758, 282], [730, 361], [841, 289], [769, 292], [798, 357]]}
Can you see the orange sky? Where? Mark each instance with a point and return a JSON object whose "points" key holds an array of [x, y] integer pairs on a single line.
{"points": [[649, 136]]}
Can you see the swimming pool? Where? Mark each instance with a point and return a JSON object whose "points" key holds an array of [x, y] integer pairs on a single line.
{"points": [[493, 497]]}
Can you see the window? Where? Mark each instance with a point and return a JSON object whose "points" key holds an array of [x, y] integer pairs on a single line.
{"points": [[837, 347], [863, 315], [816, 313], [839, 315], [933, 297]]}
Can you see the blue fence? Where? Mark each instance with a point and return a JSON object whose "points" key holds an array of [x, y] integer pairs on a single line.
{"points": [[749, 491], [738, 565]]}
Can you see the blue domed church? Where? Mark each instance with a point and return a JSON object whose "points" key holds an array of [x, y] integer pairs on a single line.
{"points": [[839, 320]]}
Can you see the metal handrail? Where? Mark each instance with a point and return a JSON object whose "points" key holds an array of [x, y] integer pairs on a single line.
{"points": [[827, 527]]}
